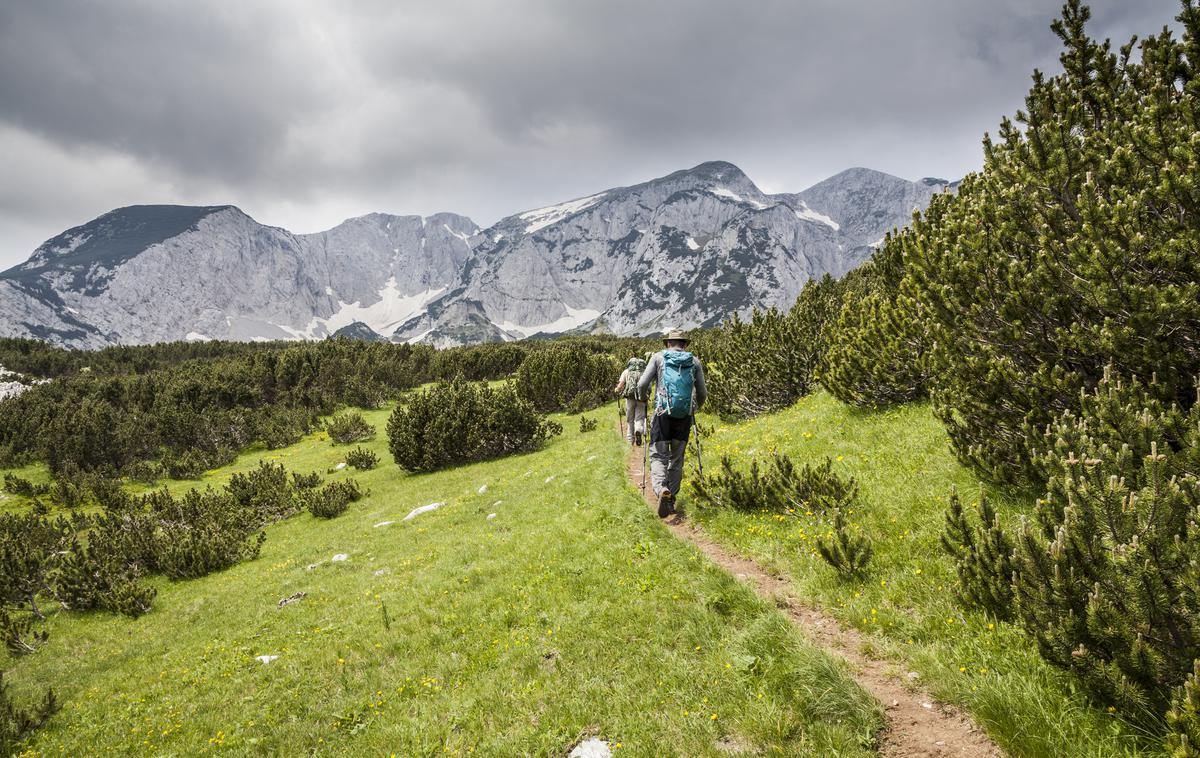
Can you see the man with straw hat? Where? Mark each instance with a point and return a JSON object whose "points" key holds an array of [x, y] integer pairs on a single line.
{"points": [[679, 379]]}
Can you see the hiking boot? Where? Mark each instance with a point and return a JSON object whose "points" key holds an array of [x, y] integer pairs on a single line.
{"points": [[637, 439], [666, 504]]}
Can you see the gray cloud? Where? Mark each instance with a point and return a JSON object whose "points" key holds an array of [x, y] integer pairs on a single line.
{"points": [[304, 112]]}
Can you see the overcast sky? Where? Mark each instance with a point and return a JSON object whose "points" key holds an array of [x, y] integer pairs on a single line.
{"points": [[306, 112]]}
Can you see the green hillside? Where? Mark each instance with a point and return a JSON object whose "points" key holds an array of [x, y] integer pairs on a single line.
{"points": [[570, 612]]}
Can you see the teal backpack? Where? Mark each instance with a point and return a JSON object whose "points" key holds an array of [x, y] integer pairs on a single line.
{"points": [[675, 384]]}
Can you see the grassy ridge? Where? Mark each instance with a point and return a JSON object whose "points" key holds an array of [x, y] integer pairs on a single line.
{"points": [[571, 611], [906, 470]]}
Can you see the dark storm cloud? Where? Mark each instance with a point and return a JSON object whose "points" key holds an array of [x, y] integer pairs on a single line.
{"points": [[304, 112]]}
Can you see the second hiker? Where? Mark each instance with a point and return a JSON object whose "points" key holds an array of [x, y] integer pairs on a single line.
{"points": [[635, 400], [679, 377]]}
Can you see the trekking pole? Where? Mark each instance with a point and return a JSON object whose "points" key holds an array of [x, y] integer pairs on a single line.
{"points": [[699, 449]]}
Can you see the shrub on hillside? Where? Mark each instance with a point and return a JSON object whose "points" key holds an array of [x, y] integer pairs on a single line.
{"points": [[781, 488], [459, 422], [15, 485], [306, 481], [845, 548], [566, 376], [486, 362], [17, 723], [362, 459], [18, 635], [1073, 249], [587, 424], [767, 363], [875, 355], [333, 499], [349, 426], [264, 491], [982, 554]]}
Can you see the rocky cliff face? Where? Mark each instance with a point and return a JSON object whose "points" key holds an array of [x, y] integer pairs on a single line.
{"points": [[688, 249]]}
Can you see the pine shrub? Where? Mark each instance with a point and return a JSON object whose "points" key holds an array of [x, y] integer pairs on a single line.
{"points": [[458, 422], [1183, 719], [347, 427], [877, 343], [587, 424], [15, 485], [362, 459], [1073, 249], [17, 723], [982, 554], [306, 481], [566, 376], [333, 499], [264, 491], [769, 362], [18, 634], [845, 548], [781, 488]]}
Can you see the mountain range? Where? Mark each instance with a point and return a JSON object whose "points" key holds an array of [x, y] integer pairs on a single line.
{"points": [[688, 249]]}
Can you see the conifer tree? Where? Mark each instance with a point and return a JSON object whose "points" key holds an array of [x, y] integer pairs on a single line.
{"points": [[1072, 250]]}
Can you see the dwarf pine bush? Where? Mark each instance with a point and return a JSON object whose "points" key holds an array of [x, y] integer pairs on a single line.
{"points": [[333, 499], [347, 427], [982, 554], [781, 487], [1074, 249], [459, 422], [362, 459], [16, 722], [566, 376], [844, 548]]}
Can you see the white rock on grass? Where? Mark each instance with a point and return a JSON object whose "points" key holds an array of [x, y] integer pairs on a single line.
{"points": [[593, 747], [591, 458], [423, 509], [265, 658], [549, 479], [383, 571], [384, 523], [491, 516], [498, 502], [340, 466], [482, 489], [340, 557]]}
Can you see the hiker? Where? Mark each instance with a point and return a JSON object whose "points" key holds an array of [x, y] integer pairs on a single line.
{"points": [[635, 400], [679, 377]]}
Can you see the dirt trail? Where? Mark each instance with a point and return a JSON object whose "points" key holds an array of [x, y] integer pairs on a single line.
{"points": [[916, 724]]}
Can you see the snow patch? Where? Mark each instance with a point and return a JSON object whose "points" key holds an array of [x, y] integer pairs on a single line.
{"points": [[728, 193], [391, 310], [498, 237], [575, 317], [464, 237], [808, 214], [543, 217], [692, 244]]}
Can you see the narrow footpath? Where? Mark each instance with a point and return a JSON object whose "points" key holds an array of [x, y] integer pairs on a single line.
{"points": [[915, 723]]}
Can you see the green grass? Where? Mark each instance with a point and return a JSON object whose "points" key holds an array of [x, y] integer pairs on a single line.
{"points": [[572, 611], [906, 604]]}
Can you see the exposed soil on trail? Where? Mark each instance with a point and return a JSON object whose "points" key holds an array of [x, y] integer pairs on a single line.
{"points": [[916, 724]]}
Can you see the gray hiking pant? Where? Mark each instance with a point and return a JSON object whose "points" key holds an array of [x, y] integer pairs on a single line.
{"points": [[635, 417], [666, 465], [668, 442]]}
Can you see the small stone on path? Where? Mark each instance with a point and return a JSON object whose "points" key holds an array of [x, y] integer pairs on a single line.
{"points": [[384, 523], [423, 509], [265, 658], [340, 557], [593, 747], [292, 598]]}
